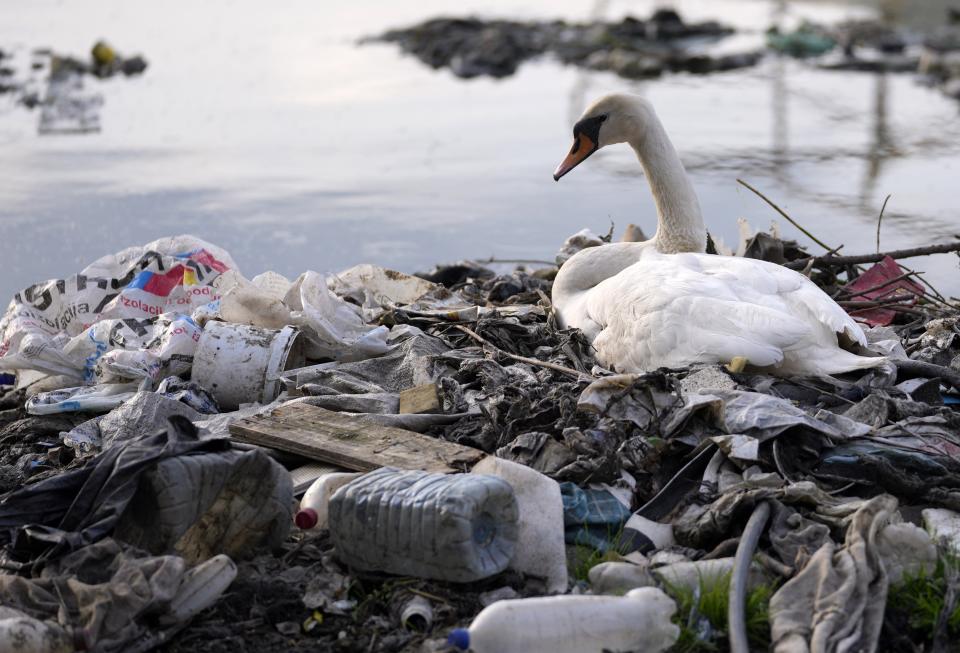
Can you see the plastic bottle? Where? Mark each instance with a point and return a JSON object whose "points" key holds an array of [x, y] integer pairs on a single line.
{"points": [[457, 527], [639, 621], [315, 501]]}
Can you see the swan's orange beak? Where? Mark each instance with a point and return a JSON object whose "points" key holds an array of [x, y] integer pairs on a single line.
{"points": [[583, 146]]}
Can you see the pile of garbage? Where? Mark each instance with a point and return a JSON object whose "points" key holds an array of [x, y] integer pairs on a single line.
{"points": [[55, 83], [468, 476], [632, 48], [643, 48]]}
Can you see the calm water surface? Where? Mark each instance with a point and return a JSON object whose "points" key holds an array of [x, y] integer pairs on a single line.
{"points": [[271, 133]]}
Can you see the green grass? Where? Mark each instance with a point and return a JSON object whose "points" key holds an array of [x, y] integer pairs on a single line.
{"points": [[702, 616], [918, 599], [586, 558]]}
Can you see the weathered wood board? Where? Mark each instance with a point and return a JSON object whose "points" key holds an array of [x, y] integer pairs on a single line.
{"points": [[421, 399], [351, 442]]}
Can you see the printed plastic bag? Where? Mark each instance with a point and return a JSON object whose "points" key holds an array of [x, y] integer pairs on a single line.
{"points": [[104, 323]]}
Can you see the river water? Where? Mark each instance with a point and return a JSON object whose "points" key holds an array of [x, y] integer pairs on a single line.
{"points": [[269, 131]]}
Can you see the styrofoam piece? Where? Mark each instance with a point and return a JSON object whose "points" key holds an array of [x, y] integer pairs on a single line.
{"points": [[242, 364], [943, 526], [541, 550], [639, 621]]}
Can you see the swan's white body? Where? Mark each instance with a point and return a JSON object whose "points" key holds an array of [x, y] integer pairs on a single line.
{"points": [[664, 303]]}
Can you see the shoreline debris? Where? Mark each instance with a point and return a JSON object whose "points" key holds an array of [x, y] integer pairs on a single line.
{"points": [[620, 481]]}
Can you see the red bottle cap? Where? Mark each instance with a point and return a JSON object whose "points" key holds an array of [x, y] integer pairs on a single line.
{"points": [[306, 518]]}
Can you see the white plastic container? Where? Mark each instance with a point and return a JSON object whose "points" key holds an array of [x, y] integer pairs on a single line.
{"points": [[241, 364], [541, 550], [314, 505], [639, 621], [201, 587]]}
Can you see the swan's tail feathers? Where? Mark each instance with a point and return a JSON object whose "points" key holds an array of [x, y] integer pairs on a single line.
{"points": [[827, 361]]}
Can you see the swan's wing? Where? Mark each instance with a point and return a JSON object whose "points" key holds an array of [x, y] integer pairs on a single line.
{"points": [[677, 309], [796, 291]]}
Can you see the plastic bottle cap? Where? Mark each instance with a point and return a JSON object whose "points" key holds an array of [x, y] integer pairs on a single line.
{"points": [[459, 637], [82, 640], [306, 518]]}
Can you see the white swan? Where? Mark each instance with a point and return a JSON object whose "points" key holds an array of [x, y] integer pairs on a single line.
{"points": [[664, 303]]}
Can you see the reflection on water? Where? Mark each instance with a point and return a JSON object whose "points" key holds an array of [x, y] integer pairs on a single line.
{"points": [[272, 134]]}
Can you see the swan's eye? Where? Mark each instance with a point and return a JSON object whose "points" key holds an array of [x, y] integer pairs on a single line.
{"points": [[602, 118]]}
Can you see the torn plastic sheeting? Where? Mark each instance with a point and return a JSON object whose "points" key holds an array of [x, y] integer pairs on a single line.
{"points": [[703, 526], [372, 286], [364, 402], [647, 400], [126, 601], [412, 361], [66, 326], [762, 416], [334, 329], [93, 399], [878, 284], [135, 418], [420, 422], [738, 447], [80, 506], [904, 466], [189, 393]]}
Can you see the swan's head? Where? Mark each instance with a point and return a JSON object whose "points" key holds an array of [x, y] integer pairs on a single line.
{"points": [[611, 119]]}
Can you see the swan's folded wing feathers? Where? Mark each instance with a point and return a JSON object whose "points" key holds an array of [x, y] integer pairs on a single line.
{"points": [[674, 315], [788, 286]]}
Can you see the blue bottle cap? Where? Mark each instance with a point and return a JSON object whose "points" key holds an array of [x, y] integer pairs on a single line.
{"points": [[459, 637]]}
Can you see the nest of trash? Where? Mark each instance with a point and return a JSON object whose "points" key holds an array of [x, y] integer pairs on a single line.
{"points": [[160, 413]]}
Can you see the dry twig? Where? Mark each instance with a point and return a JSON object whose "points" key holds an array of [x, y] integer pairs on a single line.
{"points": [[523, 359], [841, 261], [787, 217]]}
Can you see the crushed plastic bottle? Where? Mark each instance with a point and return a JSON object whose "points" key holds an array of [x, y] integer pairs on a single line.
{"points": [[639, 621], [457, 527]]}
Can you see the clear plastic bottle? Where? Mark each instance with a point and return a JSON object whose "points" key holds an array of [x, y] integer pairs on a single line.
{"points": [[457, 527], [639, 621]]}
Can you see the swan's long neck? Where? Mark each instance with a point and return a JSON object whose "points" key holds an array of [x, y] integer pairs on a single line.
{"points": [[680, 225]]}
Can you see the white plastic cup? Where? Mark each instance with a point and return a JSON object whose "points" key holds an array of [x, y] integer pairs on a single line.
{"points": [[239, 363]]}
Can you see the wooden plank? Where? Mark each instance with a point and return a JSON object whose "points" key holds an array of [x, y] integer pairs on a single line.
{"points": [[421, 399], [350, 442]]}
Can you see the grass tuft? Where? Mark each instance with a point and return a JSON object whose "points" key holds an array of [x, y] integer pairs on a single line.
{"points": [[702, 615]]}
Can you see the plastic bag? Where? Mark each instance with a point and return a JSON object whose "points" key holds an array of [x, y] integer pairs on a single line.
{"points": [[94, 399], [104, 322]]}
